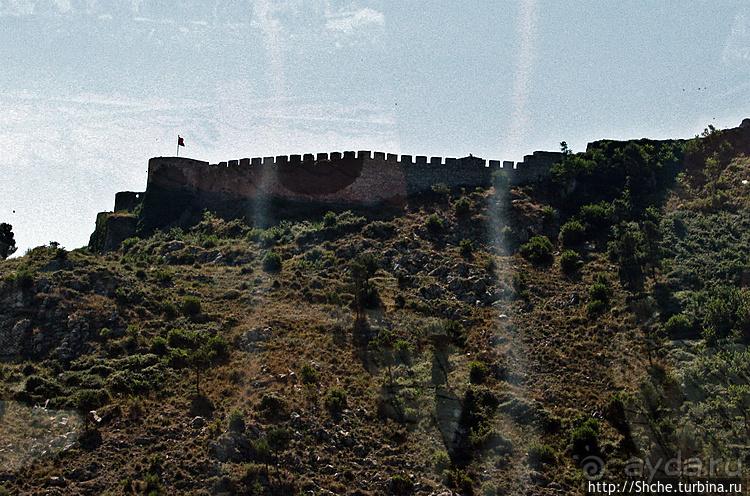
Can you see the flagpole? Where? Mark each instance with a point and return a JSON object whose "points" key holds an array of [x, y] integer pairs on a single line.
{"points": [[178, 145]]}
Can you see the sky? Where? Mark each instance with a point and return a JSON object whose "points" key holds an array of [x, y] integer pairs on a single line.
{"points": [[91, 89]]}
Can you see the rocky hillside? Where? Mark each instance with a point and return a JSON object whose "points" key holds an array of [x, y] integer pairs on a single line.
{"points": [[475, 342]]}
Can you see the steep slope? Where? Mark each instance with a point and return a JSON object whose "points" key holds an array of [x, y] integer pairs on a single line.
{"points": [[446, 346]]}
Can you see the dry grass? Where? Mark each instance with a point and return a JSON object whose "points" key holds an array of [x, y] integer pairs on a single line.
{"points": [[547, 360]]}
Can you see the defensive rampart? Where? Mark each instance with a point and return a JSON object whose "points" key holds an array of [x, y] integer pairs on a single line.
{"points": [[271, 188], [363, 177]]}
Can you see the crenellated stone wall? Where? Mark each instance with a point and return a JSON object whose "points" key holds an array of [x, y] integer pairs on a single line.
{"points": [[180, 189], [360, 177]]}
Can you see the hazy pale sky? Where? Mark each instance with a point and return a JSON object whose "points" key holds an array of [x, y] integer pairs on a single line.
{"points": [[91, 89]]}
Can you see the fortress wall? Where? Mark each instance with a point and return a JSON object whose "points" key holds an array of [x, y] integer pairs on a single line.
{"points": [[350, 177], [536, 167], [127, 201]]}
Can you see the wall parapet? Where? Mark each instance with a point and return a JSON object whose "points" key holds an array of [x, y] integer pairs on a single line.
{"points": [[363, 177], [309, 158]]}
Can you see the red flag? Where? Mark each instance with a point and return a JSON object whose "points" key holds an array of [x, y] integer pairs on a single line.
{"points": [[180, 141]]}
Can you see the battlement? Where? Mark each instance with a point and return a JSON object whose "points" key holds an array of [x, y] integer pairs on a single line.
{"points": [[179, 187], [309, 159], [360, 177], [540, 162]]}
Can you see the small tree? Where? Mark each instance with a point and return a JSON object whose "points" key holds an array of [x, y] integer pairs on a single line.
{"points": [[200, 358], [365, 293], [89, 400], [278, 440], [7, 241]]}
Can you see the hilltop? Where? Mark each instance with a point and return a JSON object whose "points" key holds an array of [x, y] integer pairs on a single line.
{"points": [[488, 340]]}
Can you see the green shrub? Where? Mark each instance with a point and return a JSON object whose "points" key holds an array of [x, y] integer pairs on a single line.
{"points": [[569, 261], [598, 216], [254, 234], [217, 347], [500, 179], [477, 372], [727, 313], [61, 253], [42, 387], [191, 305], [178, 358], [434, 223], [271, 236], [127, 244], [479, 407], [163, 277], [279, 438], [90, 399], [599, 291], [548, 213], [602, 278], [237, 421], [170, 310], [442, 462], [584, 438], [507, 235], [541, 454], [440, 189], [329, 219], [25, 279], [127, 484], [271, 403], [336, 400], [538, 249], [678, 326], [308, 374], [211, 241], [152, 484], [272, 262], [262, 451], [177, 338], [572, 233], [462, 207], [489, 489], [401, 485], [379, 230], [489, 265], [362, 269], [158, 346], [459, 480], [466, 247], [595, 307]]}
